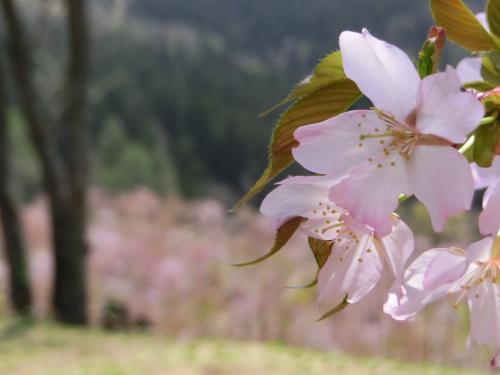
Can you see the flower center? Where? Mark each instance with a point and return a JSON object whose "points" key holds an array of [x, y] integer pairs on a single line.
{"points": [[403, 137], [347, 240], [326, 217], [472, 284], [490, 271]]}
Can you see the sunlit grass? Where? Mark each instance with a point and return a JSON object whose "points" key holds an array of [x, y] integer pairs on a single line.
{"points": [[45, 349]]}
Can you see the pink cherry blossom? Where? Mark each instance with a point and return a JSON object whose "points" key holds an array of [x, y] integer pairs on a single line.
{"points": [[404, 145], [473, 274], [358, 254], [489, 219], [469, 69]]}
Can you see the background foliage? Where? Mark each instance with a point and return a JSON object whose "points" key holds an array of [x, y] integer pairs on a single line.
{"points": [[177, 85]]}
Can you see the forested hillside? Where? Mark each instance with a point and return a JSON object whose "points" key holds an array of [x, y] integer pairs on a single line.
{"points": [[177, 84]]}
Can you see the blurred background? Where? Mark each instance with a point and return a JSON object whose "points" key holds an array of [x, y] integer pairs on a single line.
{"points": [[129, 128]]}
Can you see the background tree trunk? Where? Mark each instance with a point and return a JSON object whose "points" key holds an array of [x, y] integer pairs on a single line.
{"points": [[15, 249], [70, 264], [64, 167]]}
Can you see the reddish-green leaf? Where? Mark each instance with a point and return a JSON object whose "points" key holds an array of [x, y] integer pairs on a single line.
{"points": [[321, 251], [326, 102], [283, 234], [461, 25], [327, 71], [341, 306]]}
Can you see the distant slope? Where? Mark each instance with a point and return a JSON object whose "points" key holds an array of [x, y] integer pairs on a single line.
{"points": [[54, 350]]}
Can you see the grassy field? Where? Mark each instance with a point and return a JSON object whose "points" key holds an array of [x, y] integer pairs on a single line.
{"points": [[50, 349]]}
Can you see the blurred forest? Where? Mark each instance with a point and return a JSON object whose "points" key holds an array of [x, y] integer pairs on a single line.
{"points": [[176, 85]]}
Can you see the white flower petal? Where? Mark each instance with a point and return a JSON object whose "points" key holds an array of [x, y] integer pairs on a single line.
{"points": [[486, 176], [382, 71], [446, 111], [334, 145], [442, 181], [371, 192], [484, 307], [446, 267], [351, 269], [469, 69], [397, 248], [489, 219], [404, 303]]}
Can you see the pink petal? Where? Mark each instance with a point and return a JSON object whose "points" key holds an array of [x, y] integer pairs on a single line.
{"points": [[489, 219], [486, 176], [442, 181], [291, 200], [414, 297], [485, 315], [370, 193], [354, 272], [322, 181], [445, 268], [479, 250], [333, 146], [303, 196], [446, 111], [397, 248], [382, 71], [469, 69]]}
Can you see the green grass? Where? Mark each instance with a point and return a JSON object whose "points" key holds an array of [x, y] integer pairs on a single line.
{"points": [[45, 349]]}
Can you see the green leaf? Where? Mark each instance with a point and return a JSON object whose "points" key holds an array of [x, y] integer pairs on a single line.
{"points": [[485, 142], [326, 102], [430, 54], [283, 234], [341, 306], [329, 69], [490, 70], [493, 16], [461, 25]]}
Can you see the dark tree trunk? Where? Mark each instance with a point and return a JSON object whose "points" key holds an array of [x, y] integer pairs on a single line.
{"points": [[70, 265], [64, 168], [15, 249]]}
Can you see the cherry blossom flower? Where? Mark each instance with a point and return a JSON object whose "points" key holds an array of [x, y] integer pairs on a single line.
{"points": [[469, 69], [404, 145], [358, 254], [473, 274], [489, 219]]}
